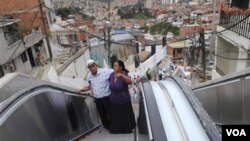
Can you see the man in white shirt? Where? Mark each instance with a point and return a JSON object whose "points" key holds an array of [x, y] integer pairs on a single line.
{"points": [[99, 84]]}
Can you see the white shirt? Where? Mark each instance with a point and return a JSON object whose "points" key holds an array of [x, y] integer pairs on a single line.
{"points": [[100, 82]]}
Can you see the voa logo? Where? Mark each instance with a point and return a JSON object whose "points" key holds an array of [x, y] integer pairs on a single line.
{"points": [[236, 132]]}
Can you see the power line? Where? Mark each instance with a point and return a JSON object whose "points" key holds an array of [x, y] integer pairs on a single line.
{"points": [[108, 40], [176, 41], [230, 58], [227, 53], [216, 32], [224, 51], [92, 33], [213, 32]]}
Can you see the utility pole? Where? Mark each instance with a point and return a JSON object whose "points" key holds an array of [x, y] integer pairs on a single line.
{"points": [[109, 37], [212, 40], [104, 34], [202, 40], [45, 29]]}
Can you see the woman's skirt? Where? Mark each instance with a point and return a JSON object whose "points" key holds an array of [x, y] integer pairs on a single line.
{"points": [[122, 118]]}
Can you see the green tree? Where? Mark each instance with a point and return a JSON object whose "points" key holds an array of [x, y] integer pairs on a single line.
{"points": [[163, 28], [65, 12], [87, 18], [134, 12]]}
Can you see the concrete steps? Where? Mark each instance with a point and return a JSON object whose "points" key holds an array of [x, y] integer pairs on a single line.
{"points": [[131, 50], [64, 56]]}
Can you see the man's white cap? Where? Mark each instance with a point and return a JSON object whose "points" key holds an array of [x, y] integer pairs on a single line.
{"points": [[90, 62]]}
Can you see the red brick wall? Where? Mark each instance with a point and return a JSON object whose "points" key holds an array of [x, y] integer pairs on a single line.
{"points": [[189, 30], [7, 6], [206, 26], [82, 36], [141, 39], [16, 8], [170, 51], [142, 22]]}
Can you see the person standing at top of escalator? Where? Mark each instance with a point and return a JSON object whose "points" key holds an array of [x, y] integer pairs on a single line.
{"points": [[122, 118], [148, 74], [98, 79]]}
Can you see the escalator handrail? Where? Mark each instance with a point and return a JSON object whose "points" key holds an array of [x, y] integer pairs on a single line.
{"points": [[157, 129], [224, 79], [203, 116], [16, 97]]}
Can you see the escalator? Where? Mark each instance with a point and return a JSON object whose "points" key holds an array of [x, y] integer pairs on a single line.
{"points": [[173, 113], [35, 110], [47, 113]]}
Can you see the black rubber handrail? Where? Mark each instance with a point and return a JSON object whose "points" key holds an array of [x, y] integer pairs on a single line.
{"points": [[30, 90], [157, 128]]}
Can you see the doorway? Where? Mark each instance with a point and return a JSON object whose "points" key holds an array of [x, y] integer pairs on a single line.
{"points": [[1, 72], [31, 57]]}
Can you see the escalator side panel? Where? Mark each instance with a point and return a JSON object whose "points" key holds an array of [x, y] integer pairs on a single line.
{"points": [[227, 102], [50, 116], [143, 124], [246, 94], [205, 120], [210, 101]]}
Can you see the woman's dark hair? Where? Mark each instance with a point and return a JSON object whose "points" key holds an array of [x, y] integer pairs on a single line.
{"points": [[121, 64]]}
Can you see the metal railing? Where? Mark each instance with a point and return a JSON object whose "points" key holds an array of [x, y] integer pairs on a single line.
{"points": [[33, 38], [243, 28]]}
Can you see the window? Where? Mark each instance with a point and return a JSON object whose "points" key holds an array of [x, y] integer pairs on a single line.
{"points": [[244, 4], [11, 34], [1, 72], [179, 51], [50, 17], [248, 61], [12, 66], [24, 57]]}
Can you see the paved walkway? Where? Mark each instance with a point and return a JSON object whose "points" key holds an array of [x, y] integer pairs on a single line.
{"points": [[41, 72]]}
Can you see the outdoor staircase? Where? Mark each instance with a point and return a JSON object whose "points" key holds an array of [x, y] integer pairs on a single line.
{"points": [[131, 50], [64, 56]]}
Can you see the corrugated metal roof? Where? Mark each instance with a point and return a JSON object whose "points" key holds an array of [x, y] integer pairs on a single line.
{"points": [[180, 44], [119, 31], [58, 30], [121, 37], [143, 55], [6, 22], [6, 52]]}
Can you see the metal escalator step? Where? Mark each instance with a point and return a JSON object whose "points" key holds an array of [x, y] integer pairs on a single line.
{"points": [[103, 135]]}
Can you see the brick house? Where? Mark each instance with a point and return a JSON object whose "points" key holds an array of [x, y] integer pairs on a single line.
{"points": [[29, 27], [189, 29]]}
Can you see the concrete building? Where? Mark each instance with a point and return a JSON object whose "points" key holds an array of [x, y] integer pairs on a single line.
{"points": [[121, 48], [189, 29], [14, 57], [232, 45], [149, 4]]}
